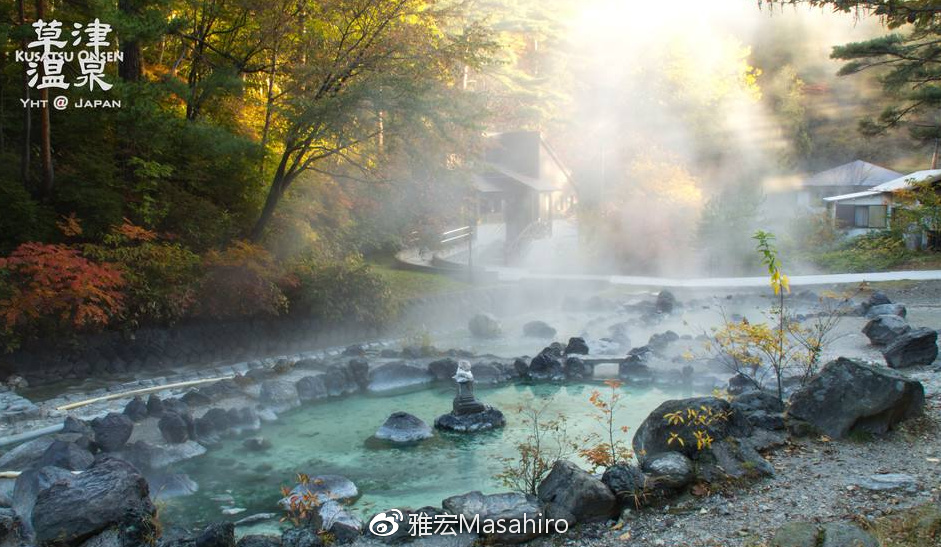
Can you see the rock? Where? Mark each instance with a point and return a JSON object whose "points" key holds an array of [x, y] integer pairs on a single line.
{"points": [[538, 329], [110, 494], [154, 405], [13, 532], [402, 427], [279, 395], [755, 400], [397, 376], [634, 369], [112, 431], [490, 373], [669, 470], [883, 329], [659, 342], [144, 455], [443, 369], [576, 346], [915, 348], [848, 395], [507, 507], [359, 371], [651, 438], [665, 302], [195, 398], [256, 444], [174, 428], [311, 388], [22, 456], [29, 484], [845, 534], [797, 534], [547, 365], [578, 493], [173, 485], [577, 369], [484, 325], [740, 383], [877, 298], [886, 309], [217, 534], [338, 381], [887, 482], [257, 540], [136, 409], [324, 488], [337, 520], [301, 537], [74, 425], [627, 482], [732, 459], [66, 455], [490, 418]]}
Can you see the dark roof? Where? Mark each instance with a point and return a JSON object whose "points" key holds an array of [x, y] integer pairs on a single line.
{"points": [[854, 173]]}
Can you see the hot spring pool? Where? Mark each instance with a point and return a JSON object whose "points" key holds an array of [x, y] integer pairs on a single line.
{"points": [[329, 438]]}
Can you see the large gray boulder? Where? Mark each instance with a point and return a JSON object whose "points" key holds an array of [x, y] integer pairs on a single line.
{"points": [[337, 520], [484, 325], [576, 492], [915, 348], [22, 456], [13, 532], [398, 375], [112, 431], [538, 329], [402, 427], [886, 309], [548, 364], [311, 388], [110, 494], [67, 456], [28, 486], [654, 434], [626, 481], [279, 395], [848, 395], [883, 329], [507, 507]]}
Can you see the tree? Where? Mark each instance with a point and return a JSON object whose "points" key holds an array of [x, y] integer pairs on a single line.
{"points": [[907, 61], [360, 58]]}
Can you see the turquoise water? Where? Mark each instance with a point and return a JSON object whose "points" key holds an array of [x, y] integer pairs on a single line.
{"points": [[329, 438]]}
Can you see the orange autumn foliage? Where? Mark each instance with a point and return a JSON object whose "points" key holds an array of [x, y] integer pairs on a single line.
{"points": [[56, 283]]}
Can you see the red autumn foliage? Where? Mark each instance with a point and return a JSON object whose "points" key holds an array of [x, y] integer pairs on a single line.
{"points": [[56, 283]]}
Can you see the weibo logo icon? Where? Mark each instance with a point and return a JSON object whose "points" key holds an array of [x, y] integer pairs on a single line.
{"points": [[386, 524]]}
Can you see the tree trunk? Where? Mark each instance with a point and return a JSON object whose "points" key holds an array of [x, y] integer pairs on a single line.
{"points": [[45, 130], [279, 184], [27, 112], [130, 69]]}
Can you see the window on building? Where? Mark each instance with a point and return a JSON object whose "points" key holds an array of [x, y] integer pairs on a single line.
{"points": [[862, 216]]}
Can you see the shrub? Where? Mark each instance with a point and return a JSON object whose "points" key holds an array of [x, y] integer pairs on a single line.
{"points": [[608, 449], [244, 280], [546, 442], [162, 277], [51, 288], [344, 291]]}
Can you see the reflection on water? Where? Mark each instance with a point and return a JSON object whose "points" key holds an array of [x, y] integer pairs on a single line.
{"points": [[330, 438]]}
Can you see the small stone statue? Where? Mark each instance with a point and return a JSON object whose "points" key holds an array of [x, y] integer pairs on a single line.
{"points": [[465, 402]]}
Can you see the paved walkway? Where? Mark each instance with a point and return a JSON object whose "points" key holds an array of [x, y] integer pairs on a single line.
{"points": [[514, 274]]}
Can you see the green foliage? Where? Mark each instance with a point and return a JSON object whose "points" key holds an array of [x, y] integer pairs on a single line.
{"points": [[874, 251], [162, 277], [244, 280], [343, 291], [724, 225]]}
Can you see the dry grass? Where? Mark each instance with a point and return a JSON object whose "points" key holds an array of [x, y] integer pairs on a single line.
{"points": [[916, 527]]}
